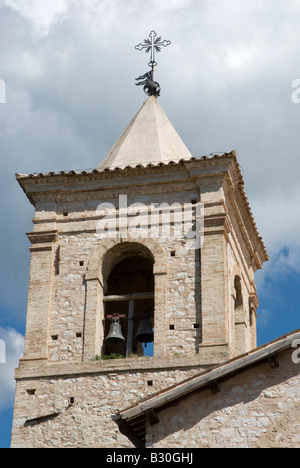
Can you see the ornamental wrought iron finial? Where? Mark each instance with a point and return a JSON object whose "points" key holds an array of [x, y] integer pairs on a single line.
{"points": [[152, 45]]}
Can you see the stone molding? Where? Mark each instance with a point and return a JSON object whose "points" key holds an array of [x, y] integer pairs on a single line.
{"points": [[42, 240]]}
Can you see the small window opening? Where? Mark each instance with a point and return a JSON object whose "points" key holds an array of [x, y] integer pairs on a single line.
{"points": [[78, 335], [31, 392], [57, 261], [65, 214], [251, 312], [71, 401], [196, 325], [238, 293], [81, 263], [173, 253], [172, 327], [54, 337], [150, 383]]}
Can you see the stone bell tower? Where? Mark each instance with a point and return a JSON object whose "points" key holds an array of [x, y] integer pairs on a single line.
{"points": [[153, 236]]}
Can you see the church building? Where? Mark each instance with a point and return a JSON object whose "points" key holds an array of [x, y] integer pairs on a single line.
{"points": [[142, 306]]}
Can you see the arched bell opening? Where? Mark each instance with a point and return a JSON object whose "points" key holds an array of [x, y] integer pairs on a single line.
{"points": [[129, 308]]}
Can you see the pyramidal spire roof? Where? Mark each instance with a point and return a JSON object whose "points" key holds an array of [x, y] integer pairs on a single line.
{"points": [[149, 138]]}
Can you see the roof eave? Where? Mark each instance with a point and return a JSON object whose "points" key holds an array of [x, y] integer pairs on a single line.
{"points": [[209, 378]]}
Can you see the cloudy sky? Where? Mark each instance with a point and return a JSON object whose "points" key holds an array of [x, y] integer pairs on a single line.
{"points": [[68, 68]]}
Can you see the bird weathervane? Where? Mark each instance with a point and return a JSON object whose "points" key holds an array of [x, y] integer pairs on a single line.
{"points": [[152, 45]]}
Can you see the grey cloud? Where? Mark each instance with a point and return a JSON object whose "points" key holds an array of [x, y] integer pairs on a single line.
{"points": [[13, 351], [226, 84]]}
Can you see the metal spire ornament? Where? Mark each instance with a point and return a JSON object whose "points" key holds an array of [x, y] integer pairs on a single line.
{"points": [[152, 45]]}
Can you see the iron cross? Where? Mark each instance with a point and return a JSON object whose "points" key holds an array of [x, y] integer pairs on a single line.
{"points": [[154, 44]]}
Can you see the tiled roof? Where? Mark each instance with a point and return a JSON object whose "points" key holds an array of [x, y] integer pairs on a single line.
{"points": [[132, 421], [123, 168]]}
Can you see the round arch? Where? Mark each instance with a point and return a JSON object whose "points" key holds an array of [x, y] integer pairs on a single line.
{"points": [[109, 252]]}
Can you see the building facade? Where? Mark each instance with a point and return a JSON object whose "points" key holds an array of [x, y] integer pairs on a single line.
{"points": [[153, 236]]}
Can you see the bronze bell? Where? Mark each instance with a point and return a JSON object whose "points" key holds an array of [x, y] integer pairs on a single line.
{"points": [[145, 332], [115, 335]]}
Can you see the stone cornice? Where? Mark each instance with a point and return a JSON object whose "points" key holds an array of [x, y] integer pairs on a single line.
{"points": [[67, 184], [39, 368], [42, 240], [120, 172]]}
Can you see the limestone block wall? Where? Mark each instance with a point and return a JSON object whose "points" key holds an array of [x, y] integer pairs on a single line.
{"points": [[259, 408], [66, 328], [180, 324], [76, 410], [182, 321]]}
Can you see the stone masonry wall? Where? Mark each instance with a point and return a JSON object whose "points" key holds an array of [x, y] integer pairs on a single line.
{"points": [[66, 327], [197, 287], [259, 408], [83, 405], [73, 250]]}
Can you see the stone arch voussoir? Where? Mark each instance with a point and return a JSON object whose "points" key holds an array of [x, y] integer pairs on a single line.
{"points": [[109, 252]]}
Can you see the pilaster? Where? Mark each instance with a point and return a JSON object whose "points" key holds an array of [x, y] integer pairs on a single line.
{"points": [[94, 316], [40, 292]]}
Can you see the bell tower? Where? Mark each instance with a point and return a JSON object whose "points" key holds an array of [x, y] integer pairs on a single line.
{"points": [[142, 275]]}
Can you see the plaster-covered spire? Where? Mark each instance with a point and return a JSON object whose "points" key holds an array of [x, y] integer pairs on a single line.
{"points": [[149, 138]]}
